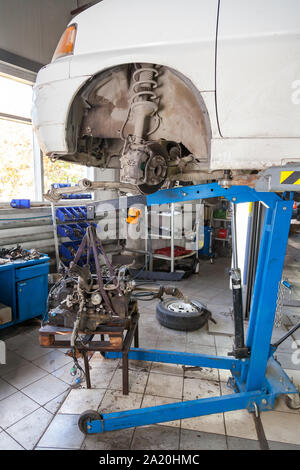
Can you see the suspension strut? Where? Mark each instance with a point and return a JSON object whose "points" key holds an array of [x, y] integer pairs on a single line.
{"points": [[143, 162]]}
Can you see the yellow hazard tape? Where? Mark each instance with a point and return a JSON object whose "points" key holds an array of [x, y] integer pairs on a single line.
{"points": [[290, 177]]}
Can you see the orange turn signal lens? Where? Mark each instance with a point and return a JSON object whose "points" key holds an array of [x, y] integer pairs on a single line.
{"points": [[66, 43]]}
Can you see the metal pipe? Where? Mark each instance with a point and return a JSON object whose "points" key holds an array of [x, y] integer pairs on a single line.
{"points": [[287, 335], [55, 194], [251, 257], [55, 235], [239, 340], [233, 233], [172, 239]]}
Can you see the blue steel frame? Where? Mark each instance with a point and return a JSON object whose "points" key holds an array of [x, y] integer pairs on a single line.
{"points": [[257, 380]]}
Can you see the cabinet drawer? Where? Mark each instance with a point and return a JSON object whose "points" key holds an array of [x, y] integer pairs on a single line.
{"points": [[32, 271]]}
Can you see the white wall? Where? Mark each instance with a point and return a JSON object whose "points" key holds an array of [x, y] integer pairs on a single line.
{"points": [[104, 174], [32, 28], [242, 214]]}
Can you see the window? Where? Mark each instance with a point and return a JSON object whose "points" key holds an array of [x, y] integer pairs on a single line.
{"points": [[16, 155], [16, 161], [15, 98], [20, 175], [61, 172]]}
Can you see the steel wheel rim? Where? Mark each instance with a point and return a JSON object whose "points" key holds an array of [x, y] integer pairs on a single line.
{"points": [[180, 306]]}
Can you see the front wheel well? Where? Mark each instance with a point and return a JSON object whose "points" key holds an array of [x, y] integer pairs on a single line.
{"points": [[100, 107]]}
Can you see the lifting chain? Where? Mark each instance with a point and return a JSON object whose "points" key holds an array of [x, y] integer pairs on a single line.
{"points": [[284, 288]]}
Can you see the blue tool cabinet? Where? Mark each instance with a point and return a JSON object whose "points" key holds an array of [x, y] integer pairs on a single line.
{"points": [[207, 248], [24, 288]]}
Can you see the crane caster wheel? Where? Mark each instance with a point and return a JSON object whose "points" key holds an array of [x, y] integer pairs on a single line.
{"points": [[84, 418], [292, 402]]}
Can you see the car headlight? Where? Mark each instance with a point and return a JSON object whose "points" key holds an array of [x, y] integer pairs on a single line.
{"points": [[66, 42]]}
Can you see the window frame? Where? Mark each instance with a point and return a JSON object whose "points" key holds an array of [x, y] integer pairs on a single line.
{"points": [[28, 78]]}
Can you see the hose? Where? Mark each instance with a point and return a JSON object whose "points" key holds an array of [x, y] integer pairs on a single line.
{"points": [[26, 218]]}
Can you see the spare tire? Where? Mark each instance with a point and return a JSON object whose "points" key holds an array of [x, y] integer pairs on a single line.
{"points": [[180, 315]]}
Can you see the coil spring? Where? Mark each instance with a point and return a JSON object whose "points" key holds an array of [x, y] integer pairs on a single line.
{"points": [[143, 90], [145, 83]]}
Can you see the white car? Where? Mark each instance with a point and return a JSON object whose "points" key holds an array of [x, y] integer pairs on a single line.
{"points": [[174, 90]]}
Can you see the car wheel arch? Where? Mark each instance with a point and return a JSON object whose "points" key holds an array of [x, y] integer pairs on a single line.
{"points": [[187, 126]]}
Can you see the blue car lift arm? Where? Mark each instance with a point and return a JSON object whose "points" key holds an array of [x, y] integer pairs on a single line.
{"points": [[256, 380]]}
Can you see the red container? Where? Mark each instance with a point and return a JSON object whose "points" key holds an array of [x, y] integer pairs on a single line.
{"points": [[178, 251], [222, 233]]}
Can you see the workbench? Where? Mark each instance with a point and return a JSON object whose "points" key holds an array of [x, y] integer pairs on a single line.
{"points": [[112, 338]]}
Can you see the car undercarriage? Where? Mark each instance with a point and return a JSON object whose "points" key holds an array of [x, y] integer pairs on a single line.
{"points": [[147, 121]]}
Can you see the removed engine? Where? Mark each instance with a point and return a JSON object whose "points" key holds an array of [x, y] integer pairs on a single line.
{"points": [[82, 300], [78, 297]]}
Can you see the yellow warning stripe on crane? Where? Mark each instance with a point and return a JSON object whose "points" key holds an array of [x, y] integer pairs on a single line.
{"points": [[290, 177]]}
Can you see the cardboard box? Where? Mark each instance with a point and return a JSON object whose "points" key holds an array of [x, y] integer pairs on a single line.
{"points": [[5, 314]]}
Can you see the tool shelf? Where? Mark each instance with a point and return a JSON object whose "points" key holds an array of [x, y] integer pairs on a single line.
{"points": [[71, 223]]}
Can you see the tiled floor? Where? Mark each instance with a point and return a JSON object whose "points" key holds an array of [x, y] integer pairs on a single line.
{"points": [[40, 403]]}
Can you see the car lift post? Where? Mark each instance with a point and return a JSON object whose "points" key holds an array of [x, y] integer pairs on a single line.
{"points": [[257, 379]]}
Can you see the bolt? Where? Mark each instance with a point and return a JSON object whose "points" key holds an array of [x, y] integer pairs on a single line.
{"points": [[234, 199], [264, 401], [284, 208]]}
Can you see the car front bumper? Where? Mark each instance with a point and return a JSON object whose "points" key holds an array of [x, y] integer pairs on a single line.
{"points": [[53, 95]]}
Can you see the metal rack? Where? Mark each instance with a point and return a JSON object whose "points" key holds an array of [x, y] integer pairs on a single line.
{"points": [[172, 236], [68, 222], [172, 258]]}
